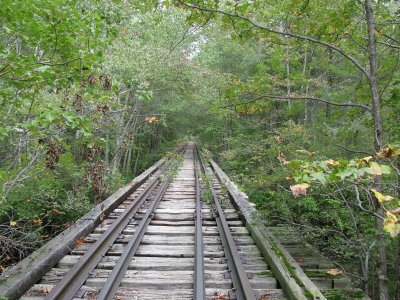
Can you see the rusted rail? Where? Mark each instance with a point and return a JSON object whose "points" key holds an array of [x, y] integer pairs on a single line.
{"points": [[199, 283], [114, 280], [241, 283]]}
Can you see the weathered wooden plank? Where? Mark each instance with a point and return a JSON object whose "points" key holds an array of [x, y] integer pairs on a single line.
{"points": [[179, 196], [172, 223], [161, 280], [177, 217], [307, 262], [173, 211], [150, 263], [263, 283], [146, 294], [152, 239], [170, 230], [166, 250], [165, 205], [172, 191], [157, 250], [151, 294], [228, 216]]}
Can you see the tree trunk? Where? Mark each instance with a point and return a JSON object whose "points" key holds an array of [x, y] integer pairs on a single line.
{"points": [[128, 164], [376, 105], [373, 77], [382, 264], [287, 63], [306, 89], [364, 272], [397, 260], [130, 127], [330, 83], [397, 269], [125, 160], [135, 168]]}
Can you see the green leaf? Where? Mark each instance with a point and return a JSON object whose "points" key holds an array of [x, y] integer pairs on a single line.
{"points": [[42, 68], [385, 169], [346, 173], [319, 176]]}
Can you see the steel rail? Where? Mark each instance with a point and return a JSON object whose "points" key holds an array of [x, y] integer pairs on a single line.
{"points": [[241, 283], [199, 292], [114, 279], [77, 275]]}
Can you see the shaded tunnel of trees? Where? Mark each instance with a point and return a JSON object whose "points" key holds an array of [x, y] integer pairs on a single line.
{"points": [[299, 102]]}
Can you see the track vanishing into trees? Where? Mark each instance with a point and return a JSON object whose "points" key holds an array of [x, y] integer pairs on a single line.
{"points": [[172, 233]]}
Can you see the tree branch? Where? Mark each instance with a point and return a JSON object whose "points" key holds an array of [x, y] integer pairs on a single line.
{"points": [[188, 32], [278, 97], [3, 68], [389, 45], [353, 151], [9, 184], [359, 204], [57, 64], [355, 62]]}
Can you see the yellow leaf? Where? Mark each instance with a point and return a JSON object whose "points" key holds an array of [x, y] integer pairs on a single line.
{"points": [[299, 189], [391, 224], [388, 152], [381, 198], [332, 163], [331, 29], [58, 212], [306, 152], [37, 222], [278, 138], [283, 160], [366, 159], [376, 169], [151, 119], [13, 223], [334, 272], [395, 211]]}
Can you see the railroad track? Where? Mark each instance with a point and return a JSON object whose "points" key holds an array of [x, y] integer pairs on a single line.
{"points": [[187, 237]]}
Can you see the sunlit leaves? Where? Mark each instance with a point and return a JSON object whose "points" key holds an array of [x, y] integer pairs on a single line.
{"points": [[376, 169], [392, 224], [329, 171], [392, 207], [359, 172], [381, 198], [334, 272], [389, 152], [151, 119], [306, 152]]}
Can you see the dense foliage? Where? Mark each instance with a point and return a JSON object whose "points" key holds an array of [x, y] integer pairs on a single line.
{"points": [[83, 108], [298, 100]]}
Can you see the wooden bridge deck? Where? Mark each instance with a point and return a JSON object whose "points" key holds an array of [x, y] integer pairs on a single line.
{"points": [[163, 264]]}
